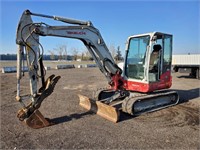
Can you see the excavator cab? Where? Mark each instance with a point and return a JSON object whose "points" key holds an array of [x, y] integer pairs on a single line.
{"points": [[147, 70], [148, 62]]}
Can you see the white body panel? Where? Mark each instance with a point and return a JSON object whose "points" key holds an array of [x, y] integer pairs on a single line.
{"points": [[193, 59]]}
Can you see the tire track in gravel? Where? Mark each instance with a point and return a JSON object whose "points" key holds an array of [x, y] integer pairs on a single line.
{"points": [[180, 115]]}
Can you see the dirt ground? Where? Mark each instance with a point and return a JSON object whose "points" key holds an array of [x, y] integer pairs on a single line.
{"points": [[176, 127]]}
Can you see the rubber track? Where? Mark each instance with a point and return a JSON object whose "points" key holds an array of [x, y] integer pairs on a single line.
{"points": [[128, 102]]}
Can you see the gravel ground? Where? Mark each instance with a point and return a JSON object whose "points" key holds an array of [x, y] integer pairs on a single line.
{"points": [[171, 128]]}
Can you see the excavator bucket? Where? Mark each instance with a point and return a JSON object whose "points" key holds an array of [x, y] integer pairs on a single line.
{"points": [[36, 120], [106, 111], [30, 115]]}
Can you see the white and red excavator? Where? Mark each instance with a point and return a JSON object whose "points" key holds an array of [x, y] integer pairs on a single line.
{"points": [[141, 86]]}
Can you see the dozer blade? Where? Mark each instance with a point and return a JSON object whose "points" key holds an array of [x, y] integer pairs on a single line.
{"points": [[103, 110], [36, 120]]}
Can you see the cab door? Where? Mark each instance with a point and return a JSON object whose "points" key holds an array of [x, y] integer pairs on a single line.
{"points": [[160, 71]]}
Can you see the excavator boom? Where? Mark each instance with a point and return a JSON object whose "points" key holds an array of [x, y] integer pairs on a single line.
{"points": [[27, 39]]}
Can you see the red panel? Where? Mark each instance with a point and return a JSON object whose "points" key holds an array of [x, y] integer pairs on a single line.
{"points": [[136, 86], [117, 82], [164, 83]]}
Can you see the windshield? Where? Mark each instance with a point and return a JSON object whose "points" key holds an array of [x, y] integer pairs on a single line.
{"points": [[136, 57]]}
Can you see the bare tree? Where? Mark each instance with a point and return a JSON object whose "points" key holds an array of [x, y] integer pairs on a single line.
{"points": [[118, 56], [62, 51], [75, 53], [65, 52], [52, 54], [87, 53], [112, 50]]}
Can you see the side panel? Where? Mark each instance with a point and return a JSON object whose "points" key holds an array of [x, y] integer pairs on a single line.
{"points": [[136, 86], [164, 83]]}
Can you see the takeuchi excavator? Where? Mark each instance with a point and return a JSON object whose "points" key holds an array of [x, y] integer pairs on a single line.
{"points": [[142, 85]]}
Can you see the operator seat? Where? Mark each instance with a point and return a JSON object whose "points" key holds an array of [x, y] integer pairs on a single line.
{"points": [[154, 63], [154, 59]]}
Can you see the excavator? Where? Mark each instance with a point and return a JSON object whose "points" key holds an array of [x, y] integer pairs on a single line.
{"points": [[141, 86]]}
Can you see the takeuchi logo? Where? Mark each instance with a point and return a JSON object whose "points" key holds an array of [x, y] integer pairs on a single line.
{"points": [[75, 32]]}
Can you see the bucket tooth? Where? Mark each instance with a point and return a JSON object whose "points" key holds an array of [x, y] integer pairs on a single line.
{"points": [[103, 110], [36, 120]]}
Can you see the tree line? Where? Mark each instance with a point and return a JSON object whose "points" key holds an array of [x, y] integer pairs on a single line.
{"points": [[45, 57], [61, 53]]}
